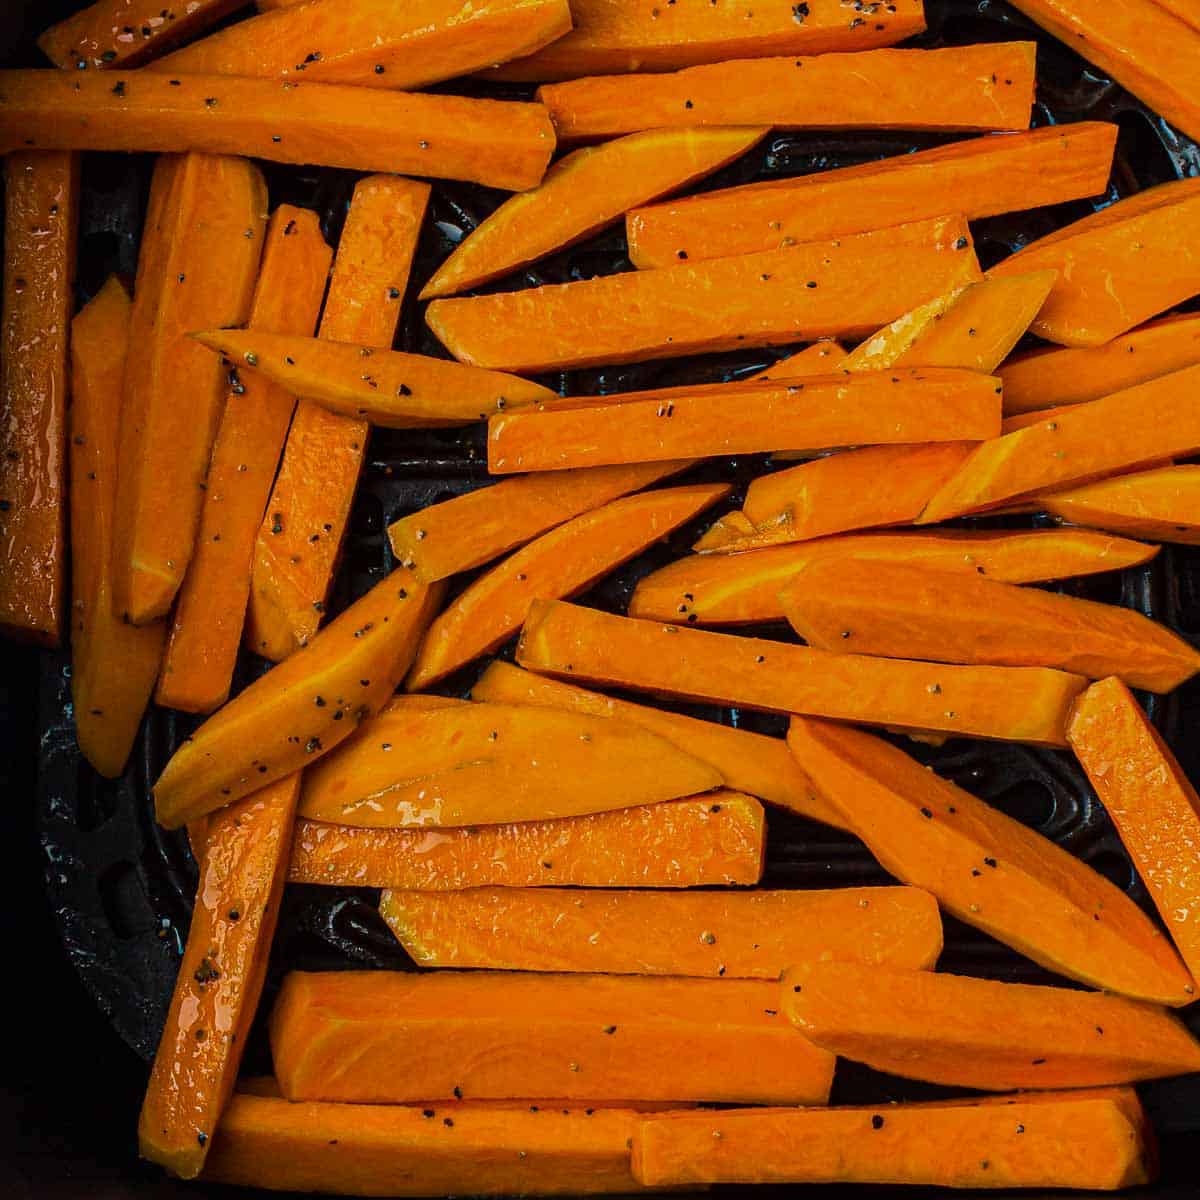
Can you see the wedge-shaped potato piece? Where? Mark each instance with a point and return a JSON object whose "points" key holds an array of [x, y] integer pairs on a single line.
{"points": [[375, 43], [729, 935], [816, 290], [719, 838], [489, 764], [1080, 443], [982, 177], [989, 870], [582, 194], [113, 663], [1119, 266], [900, 406], [901, 610], [738, 589], [982, 1033], [448, 137], [1019, 704], [298, 711], [750, 762], [624, 36], [390, 1037], [206, 626], [1051, 377], [242, 874], [1138, 43], [377, 386], [1151, 801], [1080, 1139], [461, 1149], [948, 89], [560, 564], [1163, 505], [474, 528], [821, 358]]}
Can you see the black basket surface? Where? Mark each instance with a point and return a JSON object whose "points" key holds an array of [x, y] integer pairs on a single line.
{"points": [[119, 888]]}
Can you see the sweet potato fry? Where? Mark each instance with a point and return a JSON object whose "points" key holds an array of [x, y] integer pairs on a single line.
{"points": [[739, 589], [981, 1033], [1187, 11], [206, 626], [750, 762], [491, 764], [41, 215], [948, 89], [812, 291], [989, 870], [335, 125], [1021, 704], [557, 566], [1162, 505], [715, 839], [981, 177], [612, 37], [821, 358], [486, 1035]]}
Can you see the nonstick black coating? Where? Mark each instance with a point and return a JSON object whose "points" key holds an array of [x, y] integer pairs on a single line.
{"points": [[121, 888]]}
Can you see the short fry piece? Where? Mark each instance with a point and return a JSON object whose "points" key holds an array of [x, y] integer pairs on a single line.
{"points": [[715, 839], [987, 869], [113, 663], [1162, 505], [728, 935], [41, 215], [948, 89], [559, 565], [1152, 803], [1020, 704], [390, 1037], [220, 978]]}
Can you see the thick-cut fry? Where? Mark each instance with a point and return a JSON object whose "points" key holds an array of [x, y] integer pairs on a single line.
{"points": [[375, 386], [113, 663], [474, 528], [715, 839], [728, 935], [1081, 443], [559, 565], [375, 43], [902, 610], [981, 1033], [491, 764], [305, 519], [1151, 802], [1163, 505], [1068, 1139], [822, 289], [981, 178], [220, 977], [582, 194], [1186, 10], [390, 1037], [738, 589], [459, 1149], [206, 627], [948, 89], [1118, 267], [904, 405], [989, 870], [1144, 48], [41, 215], [117, 34], [751, 762], [1019, 704], [821, 358], [335, 125], [624, 36], [1052, 377], [197, 266], [296, 712]]}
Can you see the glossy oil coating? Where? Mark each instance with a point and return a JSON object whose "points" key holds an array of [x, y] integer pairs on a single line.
{"points": [[1162, 505]]}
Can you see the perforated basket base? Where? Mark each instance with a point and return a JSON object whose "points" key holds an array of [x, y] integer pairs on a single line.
{"points": [[121, 887]]}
